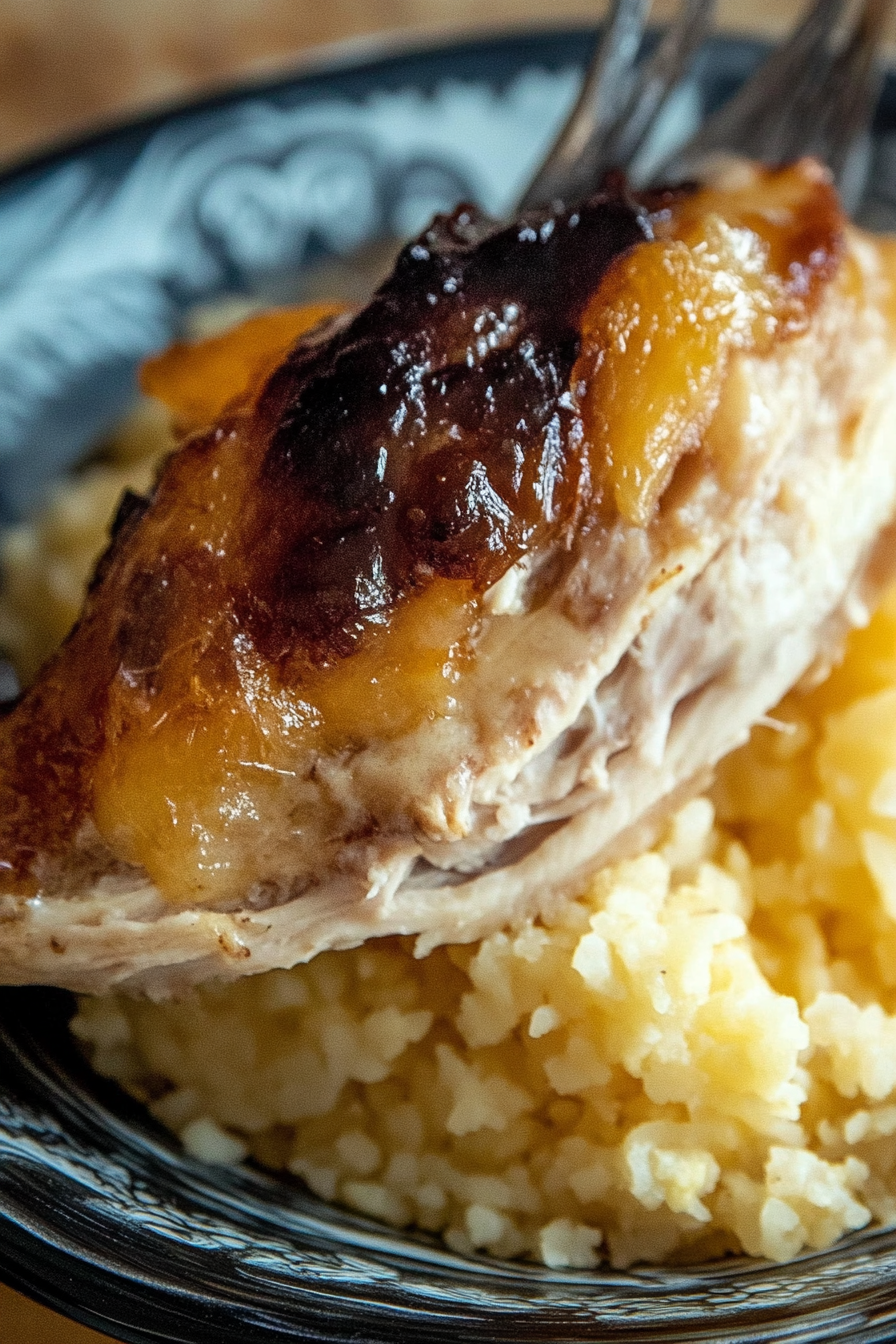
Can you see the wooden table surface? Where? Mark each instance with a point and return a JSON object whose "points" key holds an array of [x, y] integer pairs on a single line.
{"points": [[67, 65]]}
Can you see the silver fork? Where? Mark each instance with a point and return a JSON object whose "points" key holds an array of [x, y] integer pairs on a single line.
{"points": [[810, 96], [617, 106]]}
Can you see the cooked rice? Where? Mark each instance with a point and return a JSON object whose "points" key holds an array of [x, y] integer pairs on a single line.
{"points": [[698, 1055]]}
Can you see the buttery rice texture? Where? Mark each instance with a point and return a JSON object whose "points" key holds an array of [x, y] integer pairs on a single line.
{"points": [[697, 1055]]}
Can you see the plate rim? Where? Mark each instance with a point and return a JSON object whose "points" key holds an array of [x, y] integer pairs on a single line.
{"points": [[360, 56], [352, 55]]}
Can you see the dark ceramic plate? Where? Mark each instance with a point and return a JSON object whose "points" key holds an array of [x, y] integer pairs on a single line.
{"points": [[103, 247]]}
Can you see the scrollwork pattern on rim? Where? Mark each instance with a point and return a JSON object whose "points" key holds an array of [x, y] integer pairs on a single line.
{"points": [[95, 272]]}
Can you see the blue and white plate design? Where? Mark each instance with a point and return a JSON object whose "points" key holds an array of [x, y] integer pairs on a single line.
{"points": [[104, 247]]}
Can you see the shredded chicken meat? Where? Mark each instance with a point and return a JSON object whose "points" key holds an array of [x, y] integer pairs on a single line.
{"points": [[446, 601]]}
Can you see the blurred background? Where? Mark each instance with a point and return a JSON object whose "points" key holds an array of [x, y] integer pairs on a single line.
{"points": [[68, 66]]}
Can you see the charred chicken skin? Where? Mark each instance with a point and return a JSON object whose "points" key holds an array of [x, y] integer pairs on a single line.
{"points": [[444, 602]]}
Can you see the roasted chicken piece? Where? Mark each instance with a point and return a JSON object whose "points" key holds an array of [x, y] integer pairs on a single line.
{"points": [[446, 601]]}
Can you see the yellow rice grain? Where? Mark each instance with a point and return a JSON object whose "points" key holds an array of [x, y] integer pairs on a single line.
{"points": [[697, 1055]]}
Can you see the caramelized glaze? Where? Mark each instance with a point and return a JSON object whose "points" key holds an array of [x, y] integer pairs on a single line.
{"points": [[730, 270], [307, 576], [435, 435], [199, 380]]}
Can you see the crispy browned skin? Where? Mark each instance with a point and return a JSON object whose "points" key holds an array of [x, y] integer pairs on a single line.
{"points": [[425, 439], [310, 569]]}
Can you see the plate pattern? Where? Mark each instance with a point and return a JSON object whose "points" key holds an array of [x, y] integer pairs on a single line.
{"points": [[102, 249], [96, 269]]}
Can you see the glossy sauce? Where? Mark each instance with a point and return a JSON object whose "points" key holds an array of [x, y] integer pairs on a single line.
{"points": [[308, 575], [728, 271], [199, 380]]}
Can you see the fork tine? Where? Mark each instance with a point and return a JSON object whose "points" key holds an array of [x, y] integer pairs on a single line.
{"points": [[656, 81], [750, 122], [571, 158], [805, 98], [855, 82]]}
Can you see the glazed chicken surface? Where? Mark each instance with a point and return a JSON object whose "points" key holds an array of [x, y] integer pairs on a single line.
{"points": [[444, 602]]}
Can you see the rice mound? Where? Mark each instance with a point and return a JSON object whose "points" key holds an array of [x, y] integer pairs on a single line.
{"points": [[697, 1056]]}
